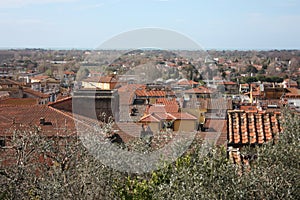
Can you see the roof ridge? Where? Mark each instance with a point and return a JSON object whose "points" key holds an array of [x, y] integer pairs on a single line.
{"points": [[60, 100], [60, 112]]}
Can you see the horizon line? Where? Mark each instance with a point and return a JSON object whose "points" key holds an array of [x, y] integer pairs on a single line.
{"points": [[120, 49]]}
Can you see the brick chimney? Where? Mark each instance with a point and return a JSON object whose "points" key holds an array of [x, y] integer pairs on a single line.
{"points": [[42, 121]]}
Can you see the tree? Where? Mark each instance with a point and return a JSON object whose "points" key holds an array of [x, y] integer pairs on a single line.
{"points": [[82, 73], [48, 168], [274, 174], [249, 79], [251, 69]]}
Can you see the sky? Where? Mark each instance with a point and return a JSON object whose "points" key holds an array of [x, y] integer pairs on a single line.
{"points": [[213, 24]]}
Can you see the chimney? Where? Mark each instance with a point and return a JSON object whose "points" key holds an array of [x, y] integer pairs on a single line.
{"points": [[42, 121]]}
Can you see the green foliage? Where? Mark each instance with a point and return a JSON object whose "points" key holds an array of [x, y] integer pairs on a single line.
{"points": [[275, 174], [203, 172], [249, 79], [274, 79], [251, 69], [82, 73]]}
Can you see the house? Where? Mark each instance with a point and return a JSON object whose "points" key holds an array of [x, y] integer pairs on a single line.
{"points": [[24, 118], [4, 95], [250, 128], [230, 87], [187, 83], [6, 83], [177, 121], [20, 116], [38, 78], [151, 92], [42, 98], [126, 95], [292, 98], [103, 83], [69, 78], [46, 85], [213, 107], [288, 83], [198, 92]]}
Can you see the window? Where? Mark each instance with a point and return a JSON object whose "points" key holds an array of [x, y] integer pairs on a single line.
{"points": [[2, 143]]}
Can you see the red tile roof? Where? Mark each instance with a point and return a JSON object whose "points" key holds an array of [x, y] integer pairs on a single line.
{"points": [[157, 117], [292, 92], [153, 93], [35, 93], [162, 108], [6, 81], [150, 118], [187, 82], [68, 98], [182, 116], [13, 116], [199, 90], [252, 128], [39, 78], [69, 72], [166, 101], [19, 101], [126, 93]]}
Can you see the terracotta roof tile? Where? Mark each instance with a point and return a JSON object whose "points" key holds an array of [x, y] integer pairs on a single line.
{"points": [[155, 108], [199, 90], [252, 128], [156, 117], [187, 82], [153, 93], [126, 93], [19, 101], [166, 101], [30, 115], [35, 93], [182, 116]]}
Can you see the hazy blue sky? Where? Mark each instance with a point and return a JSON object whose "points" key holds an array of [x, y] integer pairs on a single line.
{"points": [[221, 24]]}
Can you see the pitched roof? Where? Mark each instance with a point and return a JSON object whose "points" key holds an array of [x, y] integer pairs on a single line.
{"points": [[155, 108], [292, 92], [69, 72], [101, 79], [150, 118], [6, 81], [182, 116], [199, 90], [153, 93], [157, 117], [252, 128], [126, 93], [187, 82], [39, 78], [19, 101], [35, 93], [13, 116], [166, 101]]}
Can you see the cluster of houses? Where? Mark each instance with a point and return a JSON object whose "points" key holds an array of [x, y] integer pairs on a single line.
{"points": [[226, 114]]}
